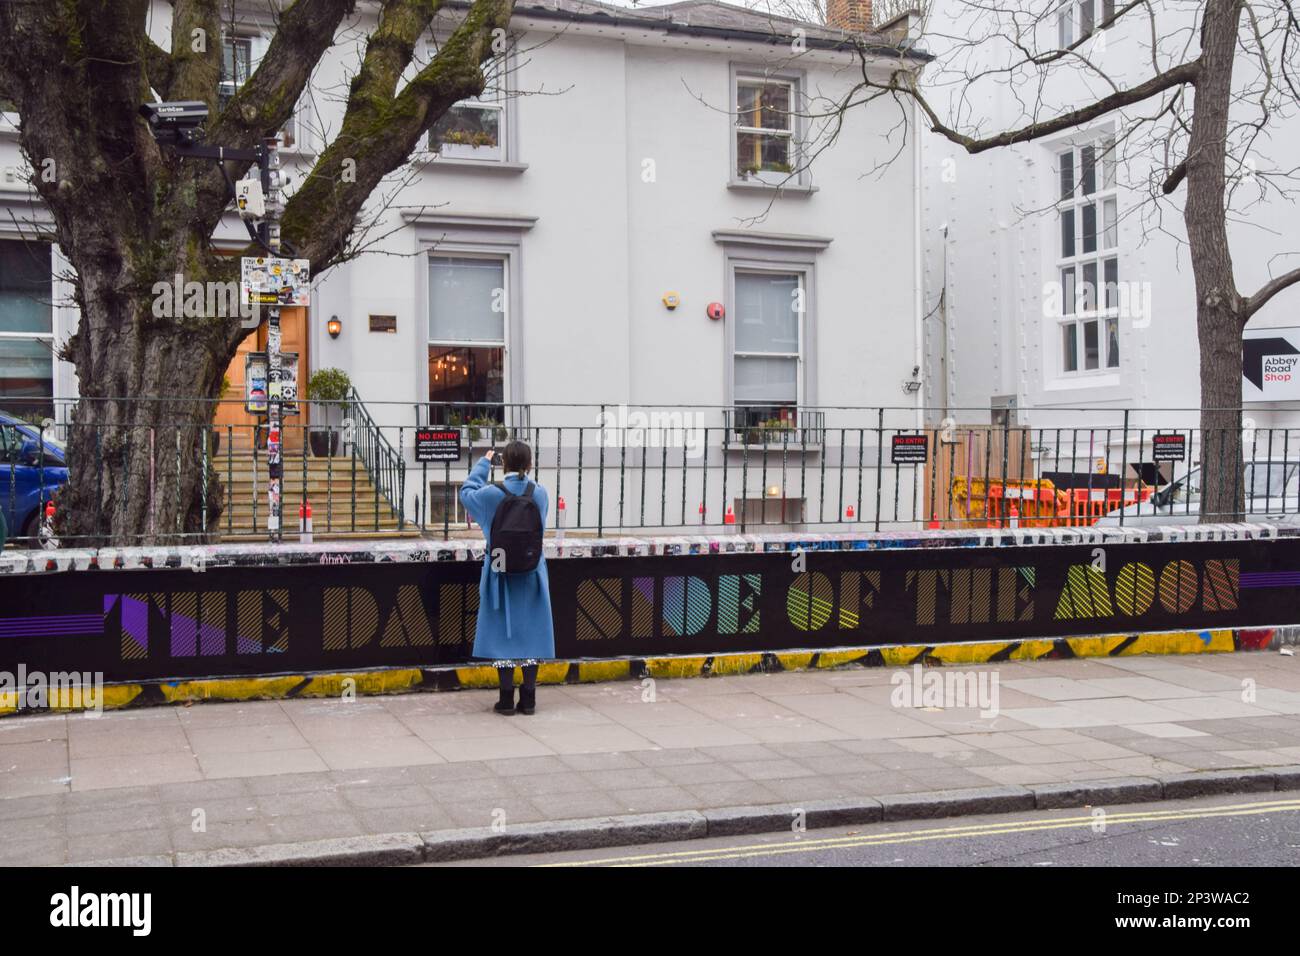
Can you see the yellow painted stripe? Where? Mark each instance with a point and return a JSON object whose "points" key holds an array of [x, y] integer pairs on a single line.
{"points": [[401, 680]]}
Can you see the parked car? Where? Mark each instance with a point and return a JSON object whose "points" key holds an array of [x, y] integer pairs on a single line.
{"points": [[1271, 494], [33, 466]]}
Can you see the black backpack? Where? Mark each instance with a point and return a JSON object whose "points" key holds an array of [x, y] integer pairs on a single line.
{"points": [[517, 530]]}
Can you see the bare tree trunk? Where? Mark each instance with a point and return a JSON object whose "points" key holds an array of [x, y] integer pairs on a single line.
{"points": [[139, 432], [1219, 308]]}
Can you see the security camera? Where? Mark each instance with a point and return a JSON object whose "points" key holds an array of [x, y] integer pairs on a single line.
{"points": [[176, 123]]}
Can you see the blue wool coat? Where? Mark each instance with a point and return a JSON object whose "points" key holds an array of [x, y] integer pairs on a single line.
{"points": [[514, 610]]}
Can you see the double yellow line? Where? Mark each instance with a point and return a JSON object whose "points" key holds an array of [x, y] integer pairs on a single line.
{"points": [[800, 845]]}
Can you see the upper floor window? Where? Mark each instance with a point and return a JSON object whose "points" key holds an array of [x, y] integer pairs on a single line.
{"points": [[766, 145], [1079, 19], [26, 327], [1087, 260], [476, 128], [240, 56]]}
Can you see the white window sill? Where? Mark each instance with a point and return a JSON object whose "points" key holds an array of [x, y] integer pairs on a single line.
{"points": [[500, 166], [791, 188], [1108, 379]]}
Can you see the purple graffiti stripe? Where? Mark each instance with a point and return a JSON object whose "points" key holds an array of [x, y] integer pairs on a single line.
{"points": [[190, 636], [52, 625], [1271, 579]]}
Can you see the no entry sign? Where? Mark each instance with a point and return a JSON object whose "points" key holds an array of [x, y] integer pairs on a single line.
{"points": [[437, 444], [1169, 447], [909, 449]]}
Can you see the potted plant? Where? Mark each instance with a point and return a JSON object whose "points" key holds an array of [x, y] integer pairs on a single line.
{"points": [[326, 387], [777, 430]]}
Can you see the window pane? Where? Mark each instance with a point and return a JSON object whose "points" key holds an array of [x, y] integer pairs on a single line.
{"points": [[26, 371], [1088, 289], [1067, 233], [1085, 18], [763, 105], [1112, 343], [1112, 283], [761, 379], [1108, 163], [25, 296], [757, 152], [1110, 216], [468, 125], [1070, 341], [1067, 291], [1091, 346], [1088, 169], [1090, 227], [1067, 174], [1064, 27], [466, 300], [1107, 10], [766, 320], [466, 374], [236, 60]]}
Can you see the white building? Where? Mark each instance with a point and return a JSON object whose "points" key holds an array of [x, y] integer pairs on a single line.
{"points": [[621, 159], [1013, 234]]}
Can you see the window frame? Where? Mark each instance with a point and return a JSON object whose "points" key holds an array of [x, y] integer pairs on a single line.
{"points": [[1070, 20], [504, 345], [49, 338], [1105, 311], [505, 153], [258, 43], [795, 80]]}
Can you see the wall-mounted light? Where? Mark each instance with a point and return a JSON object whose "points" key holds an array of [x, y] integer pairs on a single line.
{"points": [[334, 326], [774, 491]]}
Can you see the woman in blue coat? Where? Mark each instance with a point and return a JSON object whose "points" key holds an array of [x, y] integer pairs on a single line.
{"points": [[514, 610]]}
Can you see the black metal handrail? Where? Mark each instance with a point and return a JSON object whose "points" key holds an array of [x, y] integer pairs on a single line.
{"points": [[382, 462]]}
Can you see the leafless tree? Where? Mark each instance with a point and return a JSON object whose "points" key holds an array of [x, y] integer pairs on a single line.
{"points": [[1197, 107], [128, 214]]}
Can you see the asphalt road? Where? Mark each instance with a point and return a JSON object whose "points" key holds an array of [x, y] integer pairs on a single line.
{"points": [[1253, 830]]}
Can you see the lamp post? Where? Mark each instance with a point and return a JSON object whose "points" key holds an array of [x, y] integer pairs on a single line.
{"points": [[178, 126]]}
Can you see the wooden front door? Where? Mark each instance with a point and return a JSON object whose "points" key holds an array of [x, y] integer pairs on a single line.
{"points": [[293, 338]]}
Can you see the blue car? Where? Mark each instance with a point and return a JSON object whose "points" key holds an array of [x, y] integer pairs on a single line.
{"points": [[32, 467]]}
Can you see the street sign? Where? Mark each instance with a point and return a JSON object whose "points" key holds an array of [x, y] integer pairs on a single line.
{"points": [[909, 449], [1168, 447], [437, 444], [270, 280], [1270, 365]]}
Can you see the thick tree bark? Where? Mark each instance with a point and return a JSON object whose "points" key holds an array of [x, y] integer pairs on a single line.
{"points": [[129, 215], [1220, 310]]}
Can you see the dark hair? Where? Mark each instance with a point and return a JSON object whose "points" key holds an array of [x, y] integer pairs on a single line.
{"points": [[517, 456]]}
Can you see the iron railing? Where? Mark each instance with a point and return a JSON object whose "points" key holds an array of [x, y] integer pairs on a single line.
{"points": [[672, 469]]}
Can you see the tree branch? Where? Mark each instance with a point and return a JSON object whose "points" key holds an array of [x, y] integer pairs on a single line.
{"points": [[379, 130], [902, 81], [1271, 288]]}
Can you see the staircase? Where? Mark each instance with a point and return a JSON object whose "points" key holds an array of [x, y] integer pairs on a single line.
{"points": [[345, 502]]}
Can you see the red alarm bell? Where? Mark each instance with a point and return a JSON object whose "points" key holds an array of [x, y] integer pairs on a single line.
{"points": [[715, 310]]}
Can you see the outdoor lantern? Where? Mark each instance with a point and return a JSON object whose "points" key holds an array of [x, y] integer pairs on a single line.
{"points": [[774, 491], [334, 326]]}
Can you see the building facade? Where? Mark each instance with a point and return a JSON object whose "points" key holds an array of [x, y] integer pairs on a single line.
{"points": [[643, 210]]}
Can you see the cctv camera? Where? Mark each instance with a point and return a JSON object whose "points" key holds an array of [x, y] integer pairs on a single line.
{"points": [[176, 123]]}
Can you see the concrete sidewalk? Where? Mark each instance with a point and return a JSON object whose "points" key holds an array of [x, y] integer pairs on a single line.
{"points": [[135, 783]]}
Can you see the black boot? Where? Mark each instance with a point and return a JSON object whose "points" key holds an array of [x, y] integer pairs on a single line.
{"points": [[528, 692], [505, 704]]}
